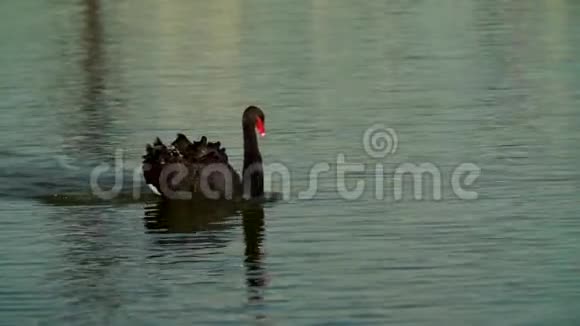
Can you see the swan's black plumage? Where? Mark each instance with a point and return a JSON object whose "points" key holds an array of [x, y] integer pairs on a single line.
{"points": [[184, 169]]}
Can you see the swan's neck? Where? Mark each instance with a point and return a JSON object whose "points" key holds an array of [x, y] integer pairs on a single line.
{"points": [[253, 175]]}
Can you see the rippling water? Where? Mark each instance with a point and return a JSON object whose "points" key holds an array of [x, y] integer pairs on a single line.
{"points": [[491, 83]]}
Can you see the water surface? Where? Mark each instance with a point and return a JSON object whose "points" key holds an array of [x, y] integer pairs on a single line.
{"points": [[493, 83]]}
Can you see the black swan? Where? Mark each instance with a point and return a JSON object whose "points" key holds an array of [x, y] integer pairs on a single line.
{"points": [[186, 170]]}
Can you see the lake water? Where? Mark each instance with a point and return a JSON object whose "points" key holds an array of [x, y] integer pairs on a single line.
{"points": [[493, 84]]}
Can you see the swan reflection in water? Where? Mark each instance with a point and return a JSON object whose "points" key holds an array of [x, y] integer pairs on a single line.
{"points": [[183, 217]]}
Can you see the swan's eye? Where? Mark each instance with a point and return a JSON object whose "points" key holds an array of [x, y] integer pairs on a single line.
{"points": [[260, 127]]}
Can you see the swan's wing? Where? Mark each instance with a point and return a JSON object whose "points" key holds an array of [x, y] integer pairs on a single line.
{"points": [[158, 153], [193, 156], [206, 152], [181, 143], [182, 150]]}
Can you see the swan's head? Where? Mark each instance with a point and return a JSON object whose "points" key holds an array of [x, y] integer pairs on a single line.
{"points": [[254, 116]]}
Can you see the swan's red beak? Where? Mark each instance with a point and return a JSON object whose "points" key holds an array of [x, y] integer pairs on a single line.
{"points": [[260, 127]]}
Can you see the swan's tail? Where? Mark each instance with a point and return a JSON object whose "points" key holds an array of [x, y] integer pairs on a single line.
{"points": [[156, 157]]}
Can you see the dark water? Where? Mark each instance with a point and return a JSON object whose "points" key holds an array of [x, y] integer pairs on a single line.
{"points": [[492, 83]]}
